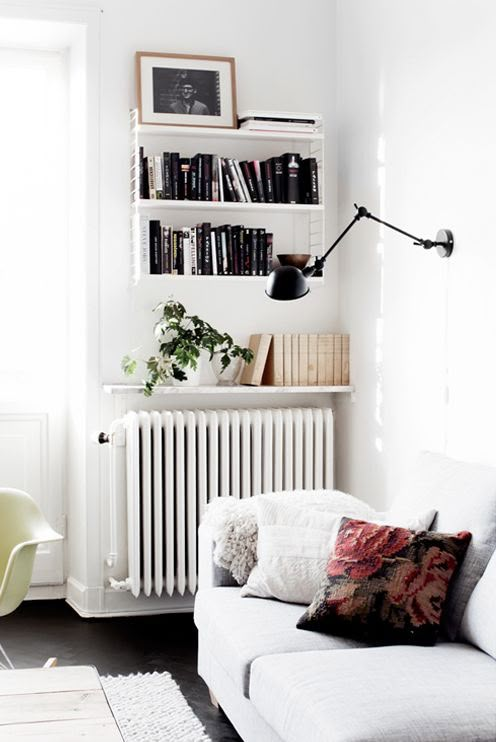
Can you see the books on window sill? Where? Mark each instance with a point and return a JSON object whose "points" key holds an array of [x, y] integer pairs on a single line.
{"points": [[204, 250], [285, 179], [299, 360], [284, 121]]}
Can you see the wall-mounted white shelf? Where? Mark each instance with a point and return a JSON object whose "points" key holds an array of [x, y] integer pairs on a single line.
{"points": [[315, 281], [303, 232], [214, 206], [204, 390], [236, 134]]}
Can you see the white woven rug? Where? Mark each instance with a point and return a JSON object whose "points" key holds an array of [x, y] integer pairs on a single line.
{"points": [[151, 708]]}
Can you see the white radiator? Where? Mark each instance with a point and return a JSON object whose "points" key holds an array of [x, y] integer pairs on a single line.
{"points": [[178, 461]]}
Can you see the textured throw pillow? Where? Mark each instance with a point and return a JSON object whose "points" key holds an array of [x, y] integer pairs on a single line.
{"points": [[479, 625], [385, 585], [294, 545]]}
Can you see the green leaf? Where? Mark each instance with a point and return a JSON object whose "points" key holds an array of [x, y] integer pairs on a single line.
{"points": [[129, 365]]}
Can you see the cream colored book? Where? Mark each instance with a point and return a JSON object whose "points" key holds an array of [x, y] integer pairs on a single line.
{"points": [[312, 360], [295, 361], [325, 345], [303, 359], [288, 360], [253, 372], [274, 368], [345, 360], [329, 372], [338, 357]]}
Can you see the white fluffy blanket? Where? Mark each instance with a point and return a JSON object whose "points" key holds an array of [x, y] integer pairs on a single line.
{"points": [[234, 523]]}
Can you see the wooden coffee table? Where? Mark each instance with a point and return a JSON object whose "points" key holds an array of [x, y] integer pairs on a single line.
{"points": [[56, 704]]}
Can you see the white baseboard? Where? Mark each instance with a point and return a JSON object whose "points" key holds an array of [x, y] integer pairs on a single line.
{"points": [[46, 592], [99, 602]]}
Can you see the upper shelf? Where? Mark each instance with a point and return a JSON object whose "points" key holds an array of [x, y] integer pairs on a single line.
{"points": [[227, 206], [213, 133], [238, 389]]}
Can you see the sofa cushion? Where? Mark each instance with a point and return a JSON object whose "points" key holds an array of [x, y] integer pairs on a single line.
{"points": [[237, 631], [479, 620], [413, 694], [465, 497], [385, 585]]}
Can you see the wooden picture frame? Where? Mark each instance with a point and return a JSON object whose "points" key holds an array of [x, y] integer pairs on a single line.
{"points": [[186, 90]]}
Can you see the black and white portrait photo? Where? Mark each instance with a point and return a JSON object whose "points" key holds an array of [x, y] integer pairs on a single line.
{"points": [[186, 90], [190, 92]]}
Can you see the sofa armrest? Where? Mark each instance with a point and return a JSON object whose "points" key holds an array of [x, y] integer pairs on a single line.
{"points": [[209, 574]]}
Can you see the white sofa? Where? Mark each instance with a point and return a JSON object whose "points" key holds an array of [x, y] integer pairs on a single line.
{"points": [[276, 682]]}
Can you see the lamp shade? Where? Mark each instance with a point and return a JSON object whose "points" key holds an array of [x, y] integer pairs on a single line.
{"points": [[286, 283]]}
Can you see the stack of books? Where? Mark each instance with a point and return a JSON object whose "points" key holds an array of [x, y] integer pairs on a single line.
{"points": [[298, 360], [285, 179], [270, 121], [204, 250]]}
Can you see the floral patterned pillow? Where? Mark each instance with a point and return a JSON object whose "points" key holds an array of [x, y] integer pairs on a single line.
{"points": [[385, 585]]}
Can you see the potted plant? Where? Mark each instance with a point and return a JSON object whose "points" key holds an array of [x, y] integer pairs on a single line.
{"points": [[181, 339]]}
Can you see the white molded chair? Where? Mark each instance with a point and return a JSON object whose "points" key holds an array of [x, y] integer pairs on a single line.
{"points": [[22, 528]]}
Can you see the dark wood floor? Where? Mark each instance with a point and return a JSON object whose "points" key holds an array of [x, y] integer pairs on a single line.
{"points": [[41, 629]]}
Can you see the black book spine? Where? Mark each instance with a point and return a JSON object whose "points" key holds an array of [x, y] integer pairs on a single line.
{"points": [[244, 248], [261, 252], [268, 181], [207, 250], [146, 186], [174, 252], [292, 169], [175, 176], [199, 176], [193, 178], [278, 175], [249, 180], [184, 166], [155, 247], [218, 251], [141, 172], [228, 186], [166, 251], [167, 175], [199, 250], [269, 239], [313, 181], [230, 250], [180, 253], [206, 182], [252, 242]]}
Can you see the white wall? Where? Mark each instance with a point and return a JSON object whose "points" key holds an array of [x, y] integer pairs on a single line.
{"points": [[417, 146]]}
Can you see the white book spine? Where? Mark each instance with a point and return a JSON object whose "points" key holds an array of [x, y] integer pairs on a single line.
{"points": [[240, 194], [220, 179], [215, 179], [144, 245], [213, 249], [223, 243], [192, 243], [159, 176], [242, 180], [188, 265]]}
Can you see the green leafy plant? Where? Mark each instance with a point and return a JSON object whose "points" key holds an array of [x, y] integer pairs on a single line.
{"points": [[181, 338]]}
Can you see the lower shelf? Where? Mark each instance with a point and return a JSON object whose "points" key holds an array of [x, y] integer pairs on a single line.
{"points": [[238, 389]]}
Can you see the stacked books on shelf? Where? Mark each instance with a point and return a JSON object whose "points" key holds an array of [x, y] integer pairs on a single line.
{"points": [[285, 179], [298, 360], [204, 250], [285, 121]]}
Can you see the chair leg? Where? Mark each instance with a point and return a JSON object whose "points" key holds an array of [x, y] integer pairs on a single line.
{"points": [[9, 665]]}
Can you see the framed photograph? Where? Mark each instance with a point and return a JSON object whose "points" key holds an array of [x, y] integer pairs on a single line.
{"points": [[186, 90]]}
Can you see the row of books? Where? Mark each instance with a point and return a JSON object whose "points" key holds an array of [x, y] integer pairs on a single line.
{"points": [[298, 360], [269, 121], [287, 179], [204, 250]]}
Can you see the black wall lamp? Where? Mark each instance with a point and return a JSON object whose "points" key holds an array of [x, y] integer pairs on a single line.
{"points": [[288, 282]]}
